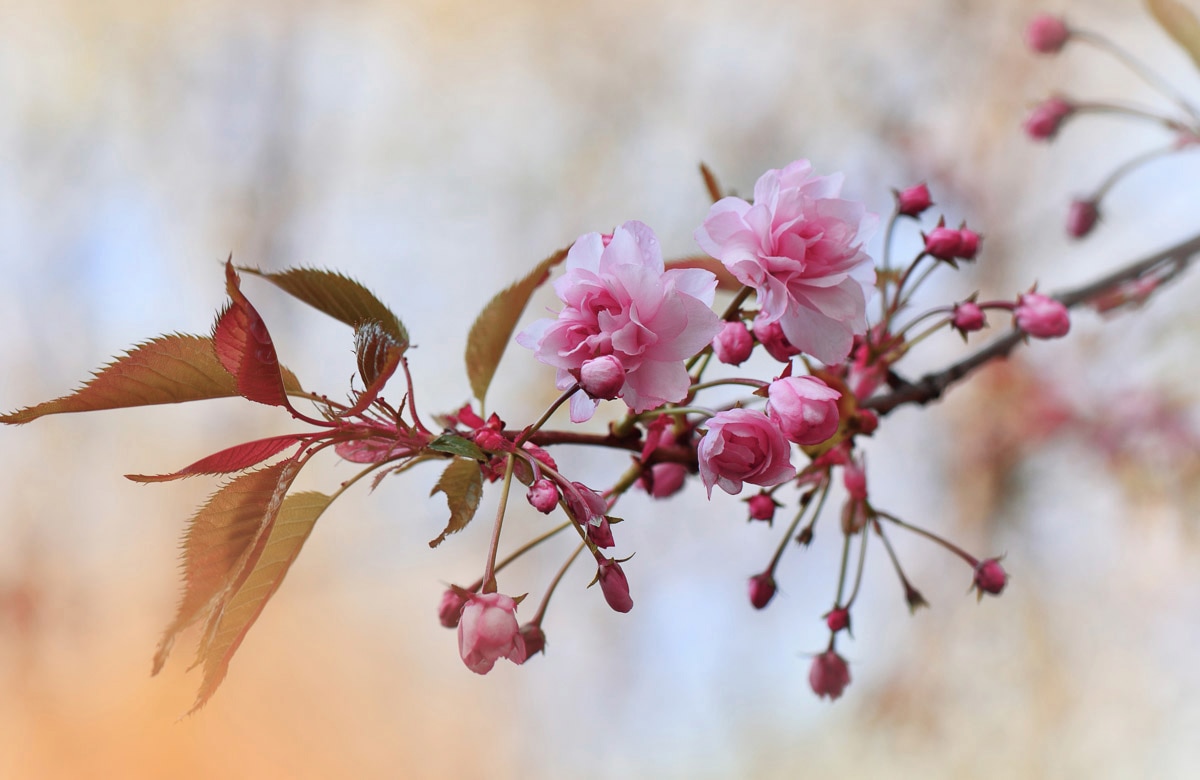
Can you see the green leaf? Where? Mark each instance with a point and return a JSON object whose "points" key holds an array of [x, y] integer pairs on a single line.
{"points": [[1180, 23], [494, 326], [453, 444], [228, 626], [223, 543], [338, 296], [170, 369], [463, 485]]}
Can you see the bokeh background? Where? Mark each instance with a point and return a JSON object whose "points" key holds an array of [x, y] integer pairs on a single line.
{"points": [[435, 150]]}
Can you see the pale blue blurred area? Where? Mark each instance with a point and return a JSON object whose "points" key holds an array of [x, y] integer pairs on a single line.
{"points": [[437, 150]]}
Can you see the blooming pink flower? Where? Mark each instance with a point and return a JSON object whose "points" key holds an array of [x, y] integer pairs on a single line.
{"points": [[804, 407], [619, 302], [450, 607], [1081, 218], [1047, 34], [615, 585], [1047, 117], [1041, 317], [914, 200], [488, 631], [733, 344], [743, 445], [543, 496], [829, 675], [800, 247], [762, 589], [666, 479], [990, 577]]}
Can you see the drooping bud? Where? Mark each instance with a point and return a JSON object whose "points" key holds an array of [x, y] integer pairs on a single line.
{"points": [[615, 585], [1044, 121], [1047, 34], [990, 577], [488, 631], [450, 608], [543, 496], [666, 479], [914, 200], [600, 534], [535, 640], [602, 377], [1041, 317], [838, 619], [804, 407], [829, 675], [968, 317], [770, 335], [1081, 218], [762, 589], [733, 344], [762, 506]]}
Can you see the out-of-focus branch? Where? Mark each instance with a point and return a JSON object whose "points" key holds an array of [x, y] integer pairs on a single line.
{"points": [[1165, 264]]}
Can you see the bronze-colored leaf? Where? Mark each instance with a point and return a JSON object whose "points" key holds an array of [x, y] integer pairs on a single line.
{"points": [[377, 351], [170, 369], [244, 346], [1180, 23], [463, 485], [494, 326], [223, 542], [338, 296], [228, 626]]}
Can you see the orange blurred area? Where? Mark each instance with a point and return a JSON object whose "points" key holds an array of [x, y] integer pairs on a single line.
{"points": [[436, 150]]}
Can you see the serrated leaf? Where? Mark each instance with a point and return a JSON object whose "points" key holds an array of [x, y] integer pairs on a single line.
{"points": [[244, 347], [338, 296], [494, 326], [453, 444], [228, 461], [223, 542], [169, 369], [463, 485], [379, 356], [1180, 23], [229, 626]]}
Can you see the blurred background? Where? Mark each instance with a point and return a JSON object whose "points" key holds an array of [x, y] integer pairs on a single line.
{"points": [[437, 149]]}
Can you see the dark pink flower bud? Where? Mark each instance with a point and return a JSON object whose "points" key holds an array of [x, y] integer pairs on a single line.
{"points": [[854, 477], [1081, 218], [990, 577], [762, 507], [762, 589], [666, 479], [868, 421], [837, 619], [1047, 117], [1041, 317], [734, 343], [543, 495], [968, 245], [490, 440], [602, 377], [535, 640], [912, 201], [450, 608], [829, 675], [488, 631], [585, 504], [804, 408], [1047, 34], [600, 533], [968, 317], [615, 585], [468, 417], [770, 335], [943, 243]]}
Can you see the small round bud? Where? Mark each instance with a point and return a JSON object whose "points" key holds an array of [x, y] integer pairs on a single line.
{"points": [[734, 343], [762, 507], [1047, 34], [868, 421], [602, 377], [829, 675], [535, 640], [543, 496], [1081, 218], [1041, 317], [968, 317], [912, 201], [838, 619], [1047, 117], [450, 608], [968, 245], [762, 589], [990, 577], [666, 479], [943, 243]]}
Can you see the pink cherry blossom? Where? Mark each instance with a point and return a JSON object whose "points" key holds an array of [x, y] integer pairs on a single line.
{"points": [[800, 247], [543, 496], [1041, 316], [620, 303], [914, 200], [743, 445], [488, 631], [968, 317], [734, 343], [804, 407]]}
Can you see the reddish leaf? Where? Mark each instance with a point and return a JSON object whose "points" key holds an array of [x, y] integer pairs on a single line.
{"points": [[166, 370], [228, 461], [245, 349], [223, 542], [378, 358], [338, 296], [463, 485], [494, 326], [230, 623]]}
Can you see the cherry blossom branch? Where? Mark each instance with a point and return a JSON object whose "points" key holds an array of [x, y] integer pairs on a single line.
{"points": [[931, 387]]}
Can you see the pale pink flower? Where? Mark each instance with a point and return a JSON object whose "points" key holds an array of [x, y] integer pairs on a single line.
{"points": [[743, 445], [620, 303], [800, 247], [829, 675], [1041, 316], [488, 631], [804, 407]]}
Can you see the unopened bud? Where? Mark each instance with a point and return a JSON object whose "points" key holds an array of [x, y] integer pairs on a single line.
{"points": [[837, 619], [1044, 122], [912, 201], [990, 577], [762, 507], [602, 377], [733, 344], [1081, 218], [829, 675], [615, 585], [535, 640], [543, 495], [1047, 34], [450, 608], [762, 589]]}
